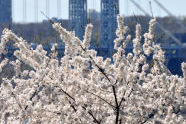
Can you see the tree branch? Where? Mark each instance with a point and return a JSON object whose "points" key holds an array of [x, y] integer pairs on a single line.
{"points": [[89, 112], [101, 99], [117, 105]]}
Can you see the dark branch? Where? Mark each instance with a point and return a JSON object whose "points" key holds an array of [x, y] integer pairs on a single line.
{"points": [[150, 115], [67, 94], [117, 105], [89, 112], [101, 99], [123, 99]]}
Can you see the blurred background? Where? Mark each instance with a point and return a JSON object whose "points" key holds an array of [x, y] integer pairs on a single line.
{"points": [[25, 18]]}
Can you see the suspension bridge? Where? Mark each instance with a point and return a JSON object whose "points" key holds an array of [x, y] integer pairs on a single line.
{"points": [[79, 17]]}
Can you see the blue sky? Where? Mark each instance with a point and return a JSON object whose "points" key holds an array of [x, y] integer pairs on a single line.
{"points": [[177, 7]]}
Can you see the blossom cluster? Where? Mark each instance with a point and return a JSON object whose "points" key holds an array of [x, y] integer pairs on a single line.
{"points": [[82, 87]]}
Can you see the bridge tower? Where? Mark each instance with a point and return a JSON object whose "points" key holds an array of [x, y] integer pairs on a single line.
{"points": [[78, 17], [108, 24], [6, 11]]}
